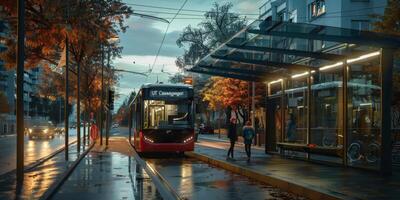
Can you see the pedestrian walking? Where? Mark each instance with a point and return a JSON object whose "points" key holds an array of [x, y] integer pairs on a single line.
{"points": [[232, 135], [248, 136]]}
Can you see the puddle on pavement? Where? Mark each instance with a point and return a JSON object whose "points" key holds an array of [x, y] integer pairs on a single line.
{"points": [[108, 175], [194, 179], [37, 180]]}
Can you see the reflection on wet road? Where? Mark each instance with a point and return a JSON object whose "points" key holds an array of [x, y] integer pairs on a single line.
{"points": [[34, 149], [108, 175], [194, 179], [38, 180]]}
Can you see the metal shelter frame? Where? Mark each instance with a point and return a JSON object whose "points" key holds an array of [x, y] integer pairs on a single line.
{"points": [[274, 51]]}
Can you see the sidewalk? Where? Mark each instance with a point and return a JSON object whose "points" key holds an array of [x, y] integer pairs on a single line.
{"points": [[301, 177], [110, 173], [39, 179], [224, 138]]}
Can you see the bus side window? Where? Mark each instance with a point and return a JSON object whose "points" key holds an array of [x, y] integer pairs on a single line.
{"points": [[138, 115], [133, 114]]}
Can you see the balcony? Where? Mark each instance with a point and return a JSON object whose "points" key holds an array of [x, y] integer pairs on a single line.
{"points": [[264, 8]]}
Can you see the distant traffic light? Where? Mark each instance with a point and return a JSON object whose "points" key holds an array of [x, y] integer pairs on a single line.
{"points": [[188, 80], [111, 99]]}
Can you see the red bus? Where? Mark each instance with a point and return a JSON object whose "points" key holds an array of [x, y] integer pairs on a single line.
{"points": [[162, 118]]}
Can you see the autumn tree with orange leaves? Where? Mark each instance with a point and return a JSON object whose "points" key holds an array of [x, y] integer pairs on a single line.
{"points": [[87, 23], [228, 93]]}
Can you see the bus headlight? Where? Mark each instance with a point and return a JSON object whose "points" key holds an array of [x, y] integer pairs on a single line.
{"points": [[188, 139], [148, 139]]}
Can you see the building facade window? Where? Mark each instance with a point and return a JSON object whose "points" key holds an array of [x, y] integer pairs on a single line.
{"points": [[364, 25], [317, 8]]}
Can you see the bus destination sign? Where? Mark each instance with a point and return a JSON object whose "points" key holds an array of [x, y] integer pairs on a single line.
{"points": [[157, 93]]}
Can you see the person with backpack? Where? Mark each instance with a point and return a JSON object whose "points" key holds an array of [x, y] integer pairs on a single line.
{"points": [[248, 136], [232, 135]]}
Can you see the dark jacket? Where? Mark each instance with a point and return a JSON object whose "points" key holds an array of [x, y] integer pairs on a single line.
{"points": [[232, 132], [248, 134]]}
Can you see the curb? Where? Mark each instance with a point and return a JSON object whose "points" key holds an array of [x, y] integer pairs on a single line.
{"points": [[40, 161], [166, 191], [227, 142], [44, 159], [311, 193], [51, 191]]}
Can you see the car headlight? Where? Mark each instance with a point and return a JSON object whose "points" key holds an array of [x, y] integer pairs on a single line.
{"points": [[148, 139], [188, 139], [46, 130]]}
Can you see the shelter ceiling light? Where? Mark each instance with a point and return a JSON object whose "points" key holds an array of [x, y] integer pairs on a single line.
{"points": [[330, 66], [300, 75], [363, 57], [276, 81]]}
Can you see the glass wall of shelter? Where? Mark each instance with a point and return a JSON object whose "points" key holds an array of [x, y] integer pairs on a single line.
{"points": [[328, 88], [309, 110]]}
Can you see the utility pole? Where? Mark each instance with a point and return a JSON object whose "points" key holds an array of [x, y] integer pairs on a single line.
{"points": [[102, 96], [78, 109], [108, 85], [66, 126], [20, 90], [84, 124], [253, 109], [88, 109]]}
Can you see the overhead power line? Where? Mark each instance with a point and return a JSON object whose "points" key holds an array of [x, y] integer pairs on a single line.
{"points": [[165, 34], [191, 10], [161, 12], [204, 11]]}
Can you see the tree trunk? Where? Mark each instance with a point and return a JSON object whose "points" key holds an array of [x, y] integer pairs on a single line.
{"points": [[228, 113], [237, 114]]}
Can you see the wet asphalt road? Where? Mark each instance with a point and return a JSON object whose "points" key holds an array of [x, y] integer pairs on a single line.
{"points": [[37, 180], [34, 149], [193, 179], [114, 174], [110, 174]]}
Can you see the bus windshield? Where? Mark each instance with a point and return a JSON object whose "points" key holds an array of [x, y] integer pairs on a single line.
{"points": [[167, 114]]}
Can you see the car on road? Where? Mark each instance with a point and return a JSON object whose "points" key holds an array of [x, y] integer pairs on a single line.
{"points": [[115, 125], [59, 129], [45, 130], [205, 129]]}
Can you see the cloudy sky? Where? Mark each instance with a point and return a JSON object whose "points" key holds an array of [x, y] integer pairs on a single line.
{"points": [[143, 38]]}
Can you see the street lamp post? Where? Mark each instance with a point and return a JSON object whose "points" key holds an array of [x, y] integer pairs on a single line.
{"points": [[108, 89], [66, 126], [78, 109], [111, 40], [20, 90], [102, 96]]}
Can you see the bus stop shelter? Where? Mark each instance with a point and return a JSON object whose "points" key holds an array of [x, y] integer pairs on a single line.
{"points": [[328, 89]]}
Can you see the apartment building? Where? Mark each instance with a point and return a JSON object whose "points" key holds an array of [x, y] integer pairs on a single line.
{"points": [[354, 14]]}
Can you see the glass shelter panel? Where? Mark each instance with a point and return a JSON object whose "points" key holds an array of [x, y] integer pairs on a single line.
{"points": [[326, 126], [274, 115], [363, 114], [296, 111]]}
